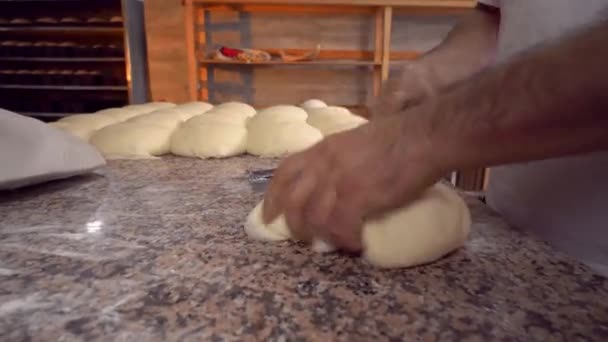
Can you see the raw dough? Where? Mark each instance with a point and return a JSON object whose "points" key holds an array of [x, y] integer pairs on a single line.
{"points": [[84, 125], [194, 108], [432, 226], [278, 114], [237, 107], [278, 139], [214, 140], [133, 140], [79, 130], [221, 116], [151, 106], [330, 120], [122, 114], [169, 118], [313, 103]]}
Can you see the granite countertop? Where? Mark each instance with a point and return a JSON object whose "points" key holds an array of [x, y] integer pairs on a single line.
{"points": [[154, 250]]}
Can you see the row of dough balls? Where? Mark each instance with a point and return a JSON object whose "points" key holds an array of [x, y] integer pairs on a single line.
{"points": [[201, 130]]}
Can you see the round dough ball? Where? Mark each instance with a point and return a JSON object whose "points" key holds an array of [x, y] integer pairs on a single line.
{"points": [[84, 125], [220, 116], [313, 103], [94, 120], [276, 140], [121, 114], [332, 120], [427, 229], [430, 227], [237, 107], [276, 230], [79, 130], [132, 140], [152, 106], [168, 118], [194, 108], [215, 140], [282, 113], [255, 228]]}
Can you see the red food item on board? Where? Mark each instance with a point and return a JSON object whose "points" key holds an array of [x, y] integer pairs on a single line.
{"points": [[229, 52]]}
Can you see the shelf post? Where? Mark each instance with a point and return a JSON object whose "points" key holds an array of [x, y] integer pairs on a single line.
{"points": [[386, 41], [191, 50], [378, 46]]}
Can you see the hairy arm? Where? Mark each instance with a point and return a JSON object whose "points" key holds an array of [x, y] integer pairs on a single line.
{"points": [[547, 102], [468, 48]]}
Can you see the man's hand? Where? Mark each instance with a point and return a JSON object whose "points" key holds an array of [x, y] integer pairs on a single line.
{"points": [[408, 87], [329, 190]]}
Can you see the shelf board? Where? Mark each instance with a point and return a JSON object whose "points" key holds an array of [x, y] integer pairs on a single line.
{"points": [[62, 59], [62, 87], [395, 3], [276, 62], [59, 28]]}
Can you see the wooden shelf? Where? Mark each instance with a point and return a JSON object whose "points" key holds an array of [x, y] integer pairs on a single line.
{"points": [[62, 87], [25, 29], [62, 59], [278, 62], [395, 3]]}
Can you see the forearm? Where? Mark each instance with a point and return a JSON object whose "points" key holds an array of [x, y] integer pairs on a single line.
{"points": [[468, 48], [548, 102]]}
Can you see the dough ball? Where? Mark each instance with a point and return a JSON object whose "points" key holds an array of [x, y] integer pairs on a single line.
{"points": [[427, 229], [194, 108], [276, 230], [133, 140], [221, 116], [279, 139], [168, 118], [153, 106], [237, 107], [330, 120], [256, 229], [84, 125], [213, 140], [276, 114], [121, 114], [94, 120], [79, 130], [313, 103]]}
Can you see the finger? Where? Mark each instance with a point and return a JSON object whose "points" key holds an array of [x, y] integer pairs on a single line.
{"points": [[300, 192], [344, 229], [278, 188], [321, 205]]}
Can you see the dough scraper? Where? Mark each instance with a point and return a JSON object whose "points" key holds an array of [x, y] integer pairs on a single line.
{"points": [[259, 179]]}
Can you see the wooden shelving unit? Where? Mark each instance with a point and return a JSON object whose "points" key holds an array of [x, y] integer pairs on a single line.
{"points": [[62, 60], [51, 67], [64, 87], [378, 60]]}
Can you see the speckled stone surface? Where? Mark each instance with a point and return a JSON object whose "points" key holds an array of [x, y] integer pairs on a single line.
{"points": [[154, 250]]}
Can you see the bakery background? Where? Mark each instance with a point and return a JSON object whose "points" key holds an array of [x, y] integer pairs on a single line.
{"points": [[64, 57], [84, 56]]}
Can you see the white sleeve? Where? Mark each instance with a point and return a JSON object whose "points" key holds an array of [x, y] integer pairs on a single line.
{"points": [[495, 3]]}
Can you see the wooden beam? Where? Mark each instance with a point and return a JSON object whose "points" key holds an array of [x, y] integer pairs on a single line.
{"points": [[290, 9], [386, 40], [369, 3], [191, 50]]}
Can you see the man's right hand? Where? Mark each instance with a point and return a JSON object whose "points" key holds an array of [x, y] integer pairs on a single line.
{"points": [[404, 89]]}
